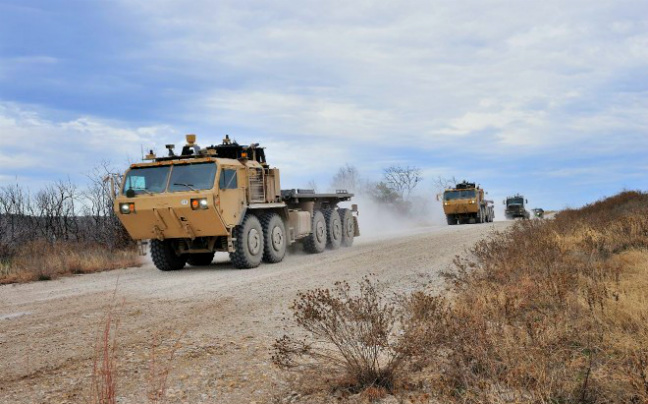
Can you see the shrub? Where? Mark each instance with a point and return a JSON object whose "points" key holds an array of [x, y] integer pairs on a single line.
{"points": [[366, 339]]}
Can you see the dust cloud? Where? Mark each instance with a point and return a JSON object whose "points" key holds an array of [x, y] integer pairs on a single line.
{"points": [[380, 220]]}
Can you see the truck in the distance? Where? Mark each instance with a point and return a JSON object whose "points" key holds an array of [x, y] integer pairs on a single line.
{"points": [[466, 203], [226, 198], [515, 207]]}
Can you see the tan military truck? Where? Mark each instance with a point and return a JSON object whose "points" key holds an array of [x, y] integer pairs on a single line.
{"points": [[466, 203], [226, 198]]}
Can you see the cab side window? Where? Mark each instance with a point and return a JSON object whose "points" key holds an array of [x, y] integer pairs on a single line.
{"points": [[228, 179]]}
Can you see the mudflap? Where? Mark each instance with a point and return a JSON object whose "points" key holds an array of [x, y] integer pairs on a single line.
{"points": [[356, 232], [142, 247]]}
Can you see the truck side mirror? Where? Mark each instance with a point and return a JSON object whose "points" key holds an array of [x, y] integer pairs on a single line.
{"points": [[437, 196], [503, 202], [527, 201]]}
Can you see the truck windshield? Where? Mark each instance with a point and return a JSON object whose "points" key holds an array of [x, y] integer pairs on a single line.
{"points": [[451, 195], [192, 177], [515, 201], [147, 180]]}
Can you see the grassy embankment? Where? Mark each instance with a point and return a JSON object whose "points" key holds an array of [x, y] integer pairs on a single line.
{"points": [[549, 311], [40, 260]]}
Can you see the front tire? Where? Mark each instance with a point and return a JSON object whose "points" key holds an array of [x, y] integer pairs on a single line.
{"points": [[274, 236], [315, 242], [451, 220], [249, 243], [164, 256]]}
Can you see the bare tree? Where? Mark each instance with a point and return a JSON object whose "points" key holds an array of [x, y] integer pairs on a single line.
{"points": [[347, 178], [402, 179], [56, 210], [383, 194], [312, 185], [441, 183], [104, 226]]}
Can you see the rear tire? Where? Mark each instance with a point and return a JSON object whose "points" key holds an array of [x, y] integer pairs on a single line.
{"points": [[274, 237], [200, 259], [348, 227], [164, 256], [451, 220], [249, 243], [333, 229], [315, 242]]}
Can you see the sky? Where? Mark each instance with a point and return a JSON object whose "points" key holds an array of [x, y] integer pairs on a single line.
{"points": [[546, 98]]}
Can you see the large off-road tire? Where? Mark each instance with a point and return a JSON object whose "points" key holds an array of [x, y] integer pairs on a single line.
{"points": [[315, 242], [274, 238], [333, 229], [200, 259], [164, 256], [248, 244], [348, 227], [451, 220]]}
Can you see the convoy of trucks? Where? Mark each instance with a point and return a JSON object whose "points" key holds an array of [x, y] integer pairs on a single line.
{"points": [[226, 198]]}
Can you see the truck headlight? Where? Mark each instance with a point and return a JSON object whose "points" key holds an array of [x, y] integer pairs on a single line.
{"points": [[199, 204], [127, 208]]}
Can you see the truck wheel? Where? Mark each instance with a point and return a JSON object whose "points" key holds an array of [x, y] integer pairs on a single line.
{"points": [[274, 237], [451, 220], [200, 259], [164, 256], [249, 243], [333, 229], [316, 241], [348, 227]]}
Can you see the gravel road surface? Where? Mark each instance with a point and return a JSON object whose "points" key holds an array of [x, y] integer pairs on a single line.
{"points": [[223, 320]]}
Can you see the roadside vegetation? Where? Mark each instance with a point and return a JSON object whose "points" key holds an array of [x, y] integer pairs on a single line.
{"points": [[61, 230], [549, 311]]}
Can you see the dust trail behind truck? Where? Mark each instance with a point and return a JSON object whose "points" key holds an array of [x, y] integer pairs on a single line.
{"points": [[226, 198]]}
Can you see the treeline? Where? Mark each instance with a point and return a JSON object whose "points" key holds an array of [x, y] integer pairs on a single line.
{"points": [[61, 212], [394, 189]]}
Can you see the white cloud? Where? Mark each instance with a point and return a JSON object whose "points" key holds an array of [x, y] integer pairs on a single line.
{"points": [[68, 148], [425, 73]]}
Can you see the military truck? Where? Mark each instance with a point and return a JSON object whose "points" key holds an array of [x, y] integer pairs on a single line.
{"points": [[465, 203], [515, 207], [226, 198], [538, 212]]}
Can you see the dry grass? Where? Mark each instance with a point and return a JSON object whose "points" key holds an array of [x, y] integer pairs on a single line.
{"points": [[555, 311], [550, 311], [108, 355], [40, 260]]}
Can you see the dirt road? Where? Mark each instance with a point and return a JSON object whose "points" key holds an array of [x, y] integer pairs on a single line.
{"points": [[225, 319]]}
